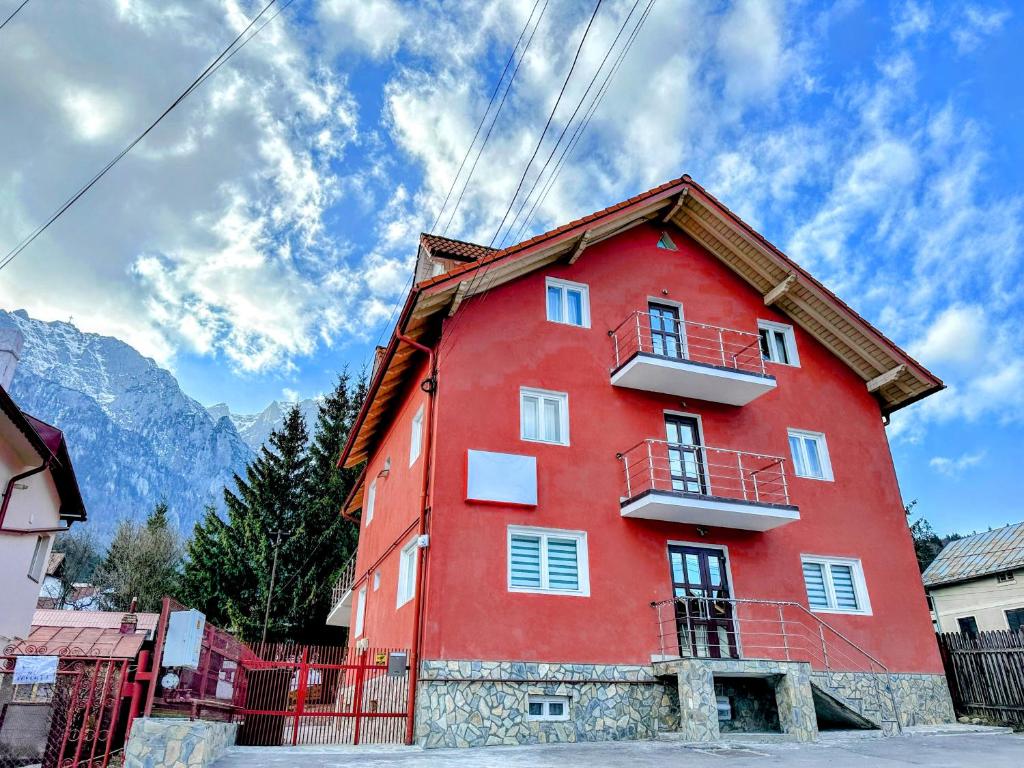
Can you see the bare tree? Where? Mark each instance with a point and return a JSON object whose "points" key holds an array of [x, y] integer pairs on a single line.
{"points": [[80, 558]]}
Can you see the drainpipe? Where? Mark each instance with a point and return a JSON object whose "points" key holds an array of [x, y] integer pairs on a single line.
{"points": [[9, 491], [429, 385]]}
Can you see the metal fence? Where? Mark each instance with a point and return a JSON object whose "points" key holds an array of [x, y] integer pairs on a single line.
{"points": [[986, 674]]}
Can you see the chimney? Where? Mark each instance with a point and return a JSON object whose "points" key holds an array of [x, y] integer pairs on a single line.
{"points": [[11, 343]]}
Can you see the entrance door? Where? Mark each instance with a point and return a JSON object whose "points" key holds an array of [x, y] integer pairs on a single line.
{"points": [[704, 617], [685, 454], [666, 331]]}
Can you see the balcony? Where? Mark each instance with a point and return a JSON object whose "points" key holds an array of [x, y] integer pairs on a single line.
{"points": [[656, 352], [341, 597], [705, 486]]}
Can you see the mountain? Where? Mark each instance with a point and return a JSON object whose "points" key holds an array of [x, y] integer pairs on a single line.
{"points": [[256, 428], [134, 436]]}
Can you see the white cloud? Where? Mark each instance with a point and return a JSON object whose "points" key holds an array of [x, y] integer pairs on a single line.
{"points": [[957, 467], [958, 335], [912, 19], [375, 27], [92, 115], [290, 395], [977, 24]]}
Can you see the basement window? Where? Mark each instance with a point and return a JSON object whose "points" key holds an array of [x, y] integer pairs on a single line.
{"points": [[548, 708]]}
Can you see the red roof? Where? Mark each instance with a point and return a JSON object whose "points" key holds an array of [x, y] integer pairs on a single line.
{"points": [[78, 641], [446, 247], [99, 619]]}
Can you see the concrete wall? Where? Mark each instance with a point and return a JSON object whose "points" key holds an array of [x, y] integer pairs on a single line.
{"points": [[34, 506], [985, 599], [164, 742]]}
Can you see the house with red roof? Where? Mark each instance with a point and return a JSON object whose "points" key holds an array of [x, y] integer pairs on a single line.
{"points": [[40, 499], [630, 478]]}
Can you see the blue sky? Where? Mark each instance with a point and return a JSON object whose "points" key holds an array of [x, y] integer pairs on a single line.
{"points": [[258, 240]]}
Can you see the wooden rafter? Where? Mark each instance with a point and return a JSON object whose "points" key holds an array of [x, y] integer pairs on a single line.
{"points": [[889, 377], [582, 243], [780, 290], [680, 202]]}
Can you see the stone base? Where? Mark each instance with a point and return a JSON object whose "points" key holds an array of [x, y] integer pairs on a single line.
{"points": [[917, 699], [168, 742]]}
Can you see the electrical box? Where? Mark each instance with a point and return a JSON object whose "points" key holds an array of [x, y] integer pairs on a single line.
{"points": [[184, 639]]}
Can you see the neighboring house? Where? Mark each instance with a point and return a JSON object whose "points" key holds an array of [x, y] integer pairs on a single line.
{"points": [[40, 498], [145, 623], [976, 584], [648, 404]]}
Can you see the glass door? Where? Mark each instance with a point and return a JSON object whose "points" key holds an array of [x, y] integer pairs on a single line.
{"points": [[685, 454], [666, 331], [704, 617]]}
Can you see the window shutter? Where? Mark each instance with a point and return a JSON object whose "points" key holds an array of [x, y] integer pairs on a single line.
{"points": [[563, 568], [814, 577], [525, 561], [842, 584]]}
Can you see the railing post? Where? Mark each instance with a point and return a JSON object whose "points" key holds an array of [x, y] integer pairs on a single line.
{"points": [[721, 346], [785, 487], [785, 639], [615, 340], [661, 632], [824, 649], [639, 333], [757, 491], [689, 630], [625, 464], [743, 481], [650, 464]]}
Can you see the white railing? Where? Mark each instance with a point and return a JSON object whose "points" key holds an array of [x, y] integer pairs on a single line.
{"points": [[345, 581], [741, 628], [658, 465], [685, 340]]}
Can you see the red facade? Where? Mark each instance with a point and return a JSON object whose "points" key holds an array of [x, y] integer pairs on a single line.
{"points": [[500, 341]]}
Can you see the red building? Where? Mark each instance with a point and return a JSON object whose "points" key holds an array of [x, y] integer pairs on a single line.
{"points": [[631, 476]]}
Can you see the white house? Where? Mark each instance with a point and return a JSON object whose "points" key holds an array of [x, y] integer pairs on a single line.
{"points": [[40, 498]]}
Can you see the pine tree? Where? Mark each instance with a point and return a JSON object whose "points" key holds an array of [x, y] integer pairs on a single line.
{"points": [[205, 582]]}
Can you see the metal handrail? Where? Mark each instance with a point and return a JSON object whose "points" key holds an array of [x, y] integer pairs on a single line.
{"points": [[795, 637], [697, 342], [345, 581]]}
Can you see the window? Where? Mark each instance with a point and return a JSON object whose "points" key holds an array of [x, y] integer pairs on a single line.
{"points": [[547, 560], [416, 437], [376, 580], [407, 573], [1006, 577], [544, 416], [371, 498], [360, 611], [835, 585], [810, 455], [665, 242], [35, 568], [778, 344], [568, 303], [547, 708], [968, 626], [1015, 619]]}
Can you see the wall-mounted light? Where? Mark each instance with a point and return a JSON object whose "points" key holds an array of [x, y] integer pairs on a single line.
{"points": [[702, 531], [664, 291], [387, 468]]}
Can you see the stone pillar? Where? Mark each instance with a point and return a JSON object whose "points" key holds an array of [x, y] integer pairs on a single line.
{"points": [[795, 703], [698, 707]]}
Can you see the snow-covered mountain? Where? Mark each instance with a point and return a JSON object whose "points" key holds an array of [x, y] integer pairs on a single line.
{"points": [[255, 428], [134, 436]]}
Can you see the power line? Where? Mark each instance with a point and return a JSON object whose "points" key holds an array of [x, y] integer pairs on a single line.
{"points": [[483, 117], [572, 118], [13, 14], [547, 124], [224, 56]]}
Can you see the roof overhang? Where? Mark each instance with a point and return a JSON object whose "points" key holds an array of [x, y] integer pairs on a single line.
{"points": [[889, 373]]}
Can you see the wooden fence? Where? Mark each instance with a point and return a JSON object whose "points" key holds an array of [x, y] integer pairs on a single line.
{"points": [[986, 674]]}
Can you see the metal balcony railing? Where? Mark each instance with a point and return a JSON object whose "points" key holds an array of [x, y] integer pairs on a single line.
{"points": [[345, 581], [658, 465], [698, 626], [666, 337]]}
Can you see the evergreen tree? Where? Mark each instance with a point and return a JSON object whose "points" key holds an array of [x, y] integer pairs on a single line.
{"points": [[143, 561], [205, 582]]}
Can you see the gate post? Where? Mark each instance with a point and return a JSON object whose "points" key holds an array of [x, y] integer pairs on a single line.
{"points": [[300, 696], [357, 699]]}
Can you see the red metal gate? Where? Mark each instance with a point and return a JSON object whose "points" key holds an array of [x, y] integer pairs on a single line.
{"points": [[71, 723], [314, 694]]}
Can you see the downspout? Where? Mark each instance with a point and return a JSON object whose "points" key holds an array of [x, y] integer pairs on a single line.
{"points": [[429, 385], [9, 491]]}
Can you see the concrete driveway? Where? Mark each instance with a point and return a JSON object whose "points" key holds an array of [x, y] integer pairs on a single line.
{"points": [[935, 750]]}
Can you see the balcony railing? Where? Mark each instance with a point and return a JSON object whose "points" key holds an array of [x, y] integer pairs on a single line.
{"points": [[721, 473], [345, 581], [673, 339]]}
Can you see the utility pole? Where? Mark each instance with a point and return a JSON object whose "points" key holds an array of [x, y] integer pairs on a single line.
{"points": [[278, 535]]}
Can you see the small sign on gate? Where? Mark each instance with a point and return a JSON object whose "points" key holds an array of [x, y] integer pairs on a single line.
{"points": [[380, 658], [34, 670]]}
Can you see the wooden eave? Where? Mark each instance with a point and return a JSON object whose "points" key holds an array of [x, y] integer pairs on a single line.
{"points": [[898, 380]]}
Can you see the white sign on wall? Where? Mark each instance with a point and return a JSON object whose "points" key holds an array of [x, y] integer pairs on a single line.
{"points": [[32, 670], [507, 478], [184, 639]]}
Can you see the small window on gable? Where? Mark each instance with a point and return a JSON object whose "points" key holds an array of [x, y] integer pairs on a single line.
{"points": [[778, 344], [1006, 577], [39, 556], [416, 437], [567, 302], [665, 242], [371, 499]]}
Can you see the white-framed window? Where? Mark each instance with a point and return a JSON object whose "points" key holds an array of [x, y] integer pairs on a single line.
{"points": [[547, 708], [567, 302], [810, 455], [543, 416], [376, 580], [548, 560], [407, 562], [416, 437], [371, 499], [360, 611], [835, 585], [38, 564], [778, 344]]}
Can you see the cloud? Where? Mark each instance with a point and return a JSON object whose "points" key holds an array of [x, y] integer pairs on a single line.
{"points": [[958, 335], [290, 395], [912, 19], [957, 467], [977, 24], [375, 27]]}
